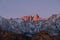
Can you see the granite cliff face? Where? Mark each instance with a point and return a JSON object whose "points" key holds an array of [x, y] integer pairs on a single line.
{"points": [[29, 25], [32, 18]]}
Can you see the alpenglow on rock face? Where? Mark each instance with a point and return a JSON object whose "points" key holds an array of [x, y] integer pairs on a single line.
{"points": [[28, 26]]}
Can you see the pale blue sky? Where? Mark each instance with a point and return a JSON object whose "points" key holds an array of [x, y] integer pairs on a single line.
{"points": [[18, 8]]}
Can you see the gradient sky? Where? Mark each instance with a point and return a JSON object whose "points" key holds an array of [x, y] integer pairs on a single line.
{"points": [[18, 8]]}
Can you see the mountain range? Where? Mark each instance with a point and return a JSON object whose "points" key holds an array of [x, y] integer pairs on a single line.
{"points": [[29, 25]]}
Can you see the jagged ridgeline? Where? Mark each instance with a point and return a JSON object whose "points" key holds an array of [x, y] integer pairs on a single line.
{"points": [[29, 25]]}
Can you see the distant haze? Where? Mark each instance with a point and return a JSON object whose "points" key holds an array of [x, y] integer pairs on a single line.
{"points": [[19, 8]]}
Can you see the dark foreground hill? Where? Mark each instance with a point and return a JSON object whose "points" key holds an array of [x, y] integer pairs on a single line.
{"points": [[6, 35], [44, 36]]}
